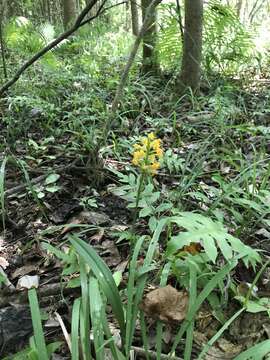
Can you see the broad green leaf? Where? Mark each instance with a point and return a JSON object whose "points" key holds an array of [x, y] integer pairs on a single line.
{"points": [[53, 189], [255, 306], [211, 234], [145, 212], [52, 178]]}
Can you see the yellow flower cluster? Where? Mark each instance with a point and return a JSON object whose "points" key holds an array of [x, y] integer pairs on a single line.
{"points": [[147, 154]]}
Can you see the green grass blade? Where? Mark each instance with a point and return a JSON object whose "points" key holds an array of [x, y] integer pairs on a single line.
{"points": [[140, 284], [255, 352], [75, 330], [192, 299], [144, 335], [2, 189], [85, 313], [116, 353], [131, 307], [104, 276], [159, 335], [219, 333], [37, 325], [30, 186], [202, 296], [96, 305]]}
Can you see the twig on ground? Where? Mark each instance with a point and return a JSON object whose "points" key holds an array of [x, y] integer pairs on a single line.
{"points": [[8, 296]]}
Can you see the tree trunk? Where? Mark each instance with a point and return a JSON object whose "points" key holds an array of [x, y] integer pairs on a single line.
{"points": [[49, 11], [150, 64], [192, 50], [11, 9], [134, 17], [2, 46], [239, 7], [69, 12]]}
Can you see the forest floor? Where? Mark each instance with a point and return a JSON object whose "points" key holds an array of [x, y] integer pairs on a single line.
{"points": [[54, 186]]}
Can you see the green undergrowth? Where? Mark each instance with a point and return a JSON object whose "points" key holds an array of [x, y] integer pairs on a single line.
{"points": [[210, 194]]}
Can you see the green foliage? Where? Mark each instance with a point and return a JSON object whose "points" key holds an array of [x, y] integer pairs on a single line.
{"points": [[169, 46], [228, 47], [24, 37], [257, 351], [215, 177], [38, 349], [211, 234]]}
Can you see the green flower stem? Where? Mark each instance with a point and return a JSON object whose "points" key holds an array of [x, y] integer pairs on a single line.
{"points": [[138, 198]]}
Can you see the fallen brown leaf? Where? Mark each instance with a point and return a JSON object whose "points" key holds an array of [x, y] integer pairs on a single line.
{"points": [[166, 304], [96, 238]]}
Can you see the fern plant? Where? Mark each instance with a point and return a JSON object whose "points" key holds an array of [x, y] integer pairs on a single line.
{"points": [[212, 235], [228, 46], [23, 36]]}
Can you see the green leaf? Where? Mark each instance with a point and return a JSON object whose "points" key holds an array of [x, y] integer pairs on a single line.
{"points": [[40, 195], [74, 283], [117, 277], [152, 223], [211, 234], [53, 189], [75, 329], [219, 276], [255, 352], [52, 178], [37, 326], [145, 212], [52, 347], [96, 308], [163, 207], [103, 274], [255, 306]]}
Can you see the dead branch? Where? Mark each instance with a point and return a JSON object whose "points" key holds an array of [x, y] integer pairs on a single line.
{"points": [[21, 297]]}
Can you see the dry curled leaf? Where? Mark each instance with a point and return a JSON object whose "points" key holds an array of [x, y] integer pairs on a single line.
{"points": [[28, 282], [193, 248], [87, 217], [166, 304], [96, 238]]}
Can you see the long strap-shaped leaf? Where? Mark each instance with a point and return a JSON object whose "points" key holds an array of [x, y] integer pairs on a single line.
{"points": [[103, 274], [201, 297], [37, 325], [141, 281], [2, 189], [255, 352]]}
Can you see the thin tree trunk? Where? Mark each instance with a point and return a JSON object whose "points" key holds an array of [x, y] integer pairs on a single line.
{"points": [[256, 7], [2, 44], [239, 7], [150, 64], [124, 77], [134, 17], [192, 50], [69, 12], [49, 11]]}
